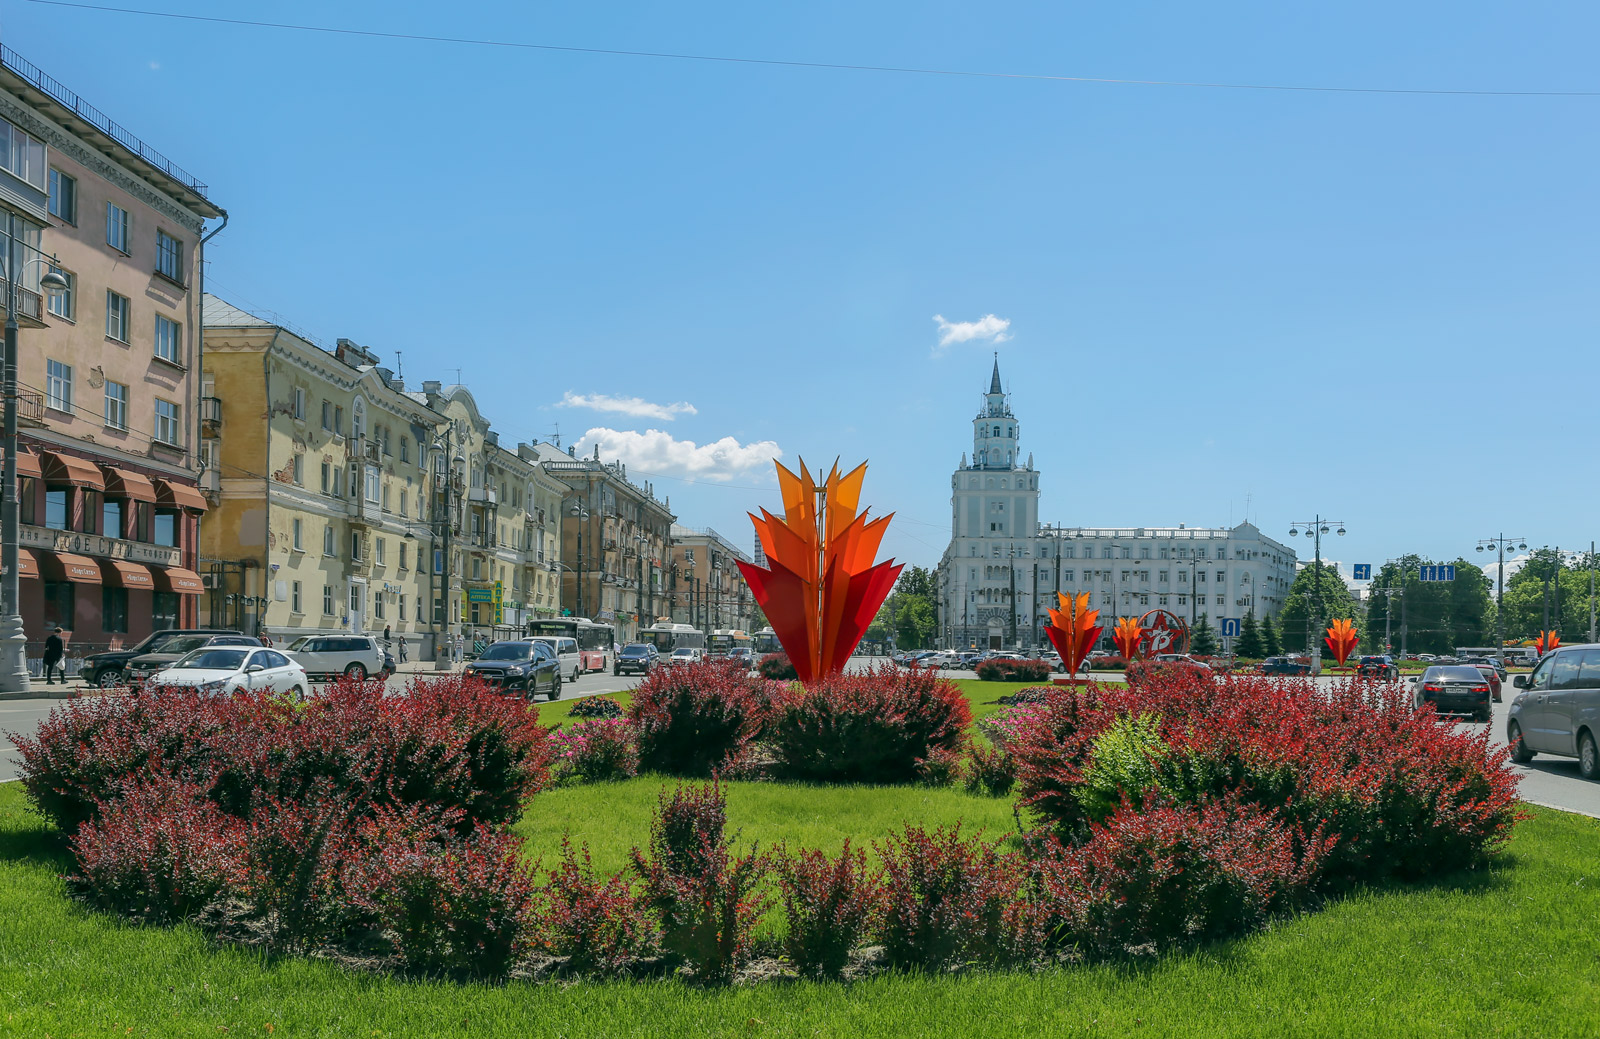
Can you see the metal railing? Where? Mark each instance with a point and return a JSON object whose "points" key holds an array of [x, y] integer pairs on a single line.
{"points": [[30, 407], [211, 412], [102, 122], [29, 303]]}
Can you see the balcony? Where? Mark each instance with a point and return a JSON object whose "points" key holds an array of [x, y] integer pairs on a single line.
{"points": [[30, 408], [211, 482], [364, 449], [482, 496], [211, 416], [30, 306], [364, 513]]}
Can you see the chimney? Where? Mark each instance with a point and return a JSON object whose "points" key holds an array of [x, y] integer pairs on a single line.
{"points": [[433, 386], [572, 451]]}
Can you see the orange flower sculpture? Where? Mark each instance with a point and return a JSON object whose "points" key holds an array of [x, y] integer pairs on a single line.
{"points": [[1128, 634], [1342, 639], [821, 588], [1073, 630], [1547, 641]]}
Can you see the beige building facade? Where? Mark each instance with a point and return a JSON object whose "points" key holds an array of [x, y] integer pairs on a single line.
{"points": [[705, 585]]}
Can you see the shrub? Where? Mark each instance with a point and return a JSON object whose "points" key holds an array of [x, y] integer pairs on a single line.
{"points": [[829, 904], [596, 707], [707, 901], [989, 770], [1112, 663], [777, 667], [596, 751], [885, 725], [598, 924], [1006, 670], [950, 900], [463, 906], [1122, 763], [1033, 694], [694, 719], [160, 850]]}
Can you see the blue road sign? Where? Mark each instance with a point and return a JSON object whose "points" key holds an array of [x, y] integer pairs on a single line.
{"points": [[1363, 571], [1442, 572], [1231, 627]]}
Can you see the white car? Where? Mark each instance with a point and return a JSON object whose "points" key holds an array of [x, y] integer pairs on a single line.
{"points": [[687, 655], [233, 669], [331, 656]]}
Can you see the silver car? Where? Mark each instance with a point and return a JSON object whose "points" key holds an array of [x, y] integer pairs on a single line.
{"points": [[1557, 709]]}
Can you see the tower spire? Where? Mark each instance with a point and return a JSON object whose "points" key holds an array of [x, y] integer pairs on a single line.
{"points": [[994, 380]]}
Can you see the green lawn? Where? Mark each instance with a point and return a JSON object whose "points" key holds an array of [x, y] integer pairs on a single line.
{"points": [[1505, 951]]}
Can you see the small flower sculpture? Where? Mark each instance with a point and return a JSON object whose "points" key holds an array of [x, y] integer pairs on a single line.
{"points": [[1342, 639], [1127, 636], [1073, 630]]}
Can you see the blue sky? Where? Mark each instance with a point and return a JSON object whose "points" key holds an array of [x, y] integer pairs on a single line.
{"points": [[1376, 306]]}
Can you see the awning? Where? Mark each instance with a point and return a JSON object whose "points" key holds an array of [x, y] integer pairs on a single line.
{"points": [[28, 465], [64, 566], [177, 579], [64, 468], [27, 565], [119, 573], [179, 496], [120, 483]]}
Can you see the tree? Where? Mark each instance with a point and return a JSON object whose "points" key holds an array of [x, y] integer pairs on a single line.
{"points": [[1295, 618], [1249, 645], [1203, 640], [914, 623], [918, 580], [1271, 645]]}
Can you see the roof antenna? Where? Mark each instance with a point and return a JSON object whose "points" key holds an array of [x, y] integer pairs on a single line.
{"points": [[555, 437], [458, 376], [399, 367]]}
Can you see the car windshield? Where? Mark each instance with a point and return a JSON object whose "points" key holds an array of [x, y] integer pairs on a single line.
{"points": [[637, 649], [185, 644], [683, 652], [214, 659], [1454, 674], [298, 643], [508, 651]]}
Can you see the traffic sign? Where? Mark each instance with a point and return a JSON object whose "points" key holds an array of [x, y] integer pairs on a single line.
{"points": [[1363, 572], [1442, 572], [1231, 627]]}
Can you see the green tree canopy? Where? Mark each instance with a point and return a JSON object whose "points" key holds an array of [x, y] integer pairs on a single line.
{"points": [[1203, 640], [1271, 644], [1295, 618], [1428, 616], [1249, 644]]}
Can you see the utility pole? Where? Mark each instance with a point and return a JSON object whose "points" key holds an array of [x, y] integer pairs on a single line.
{"points": [[1500, 543], [1315, 529], [1011, 611], [1591, 591]]}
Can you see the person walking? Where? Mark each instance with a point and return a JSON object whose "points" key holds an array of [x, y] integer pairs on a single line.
{"points": [[458, 649], [402, 649], [386, 636], [266, 640], [54, 650]]}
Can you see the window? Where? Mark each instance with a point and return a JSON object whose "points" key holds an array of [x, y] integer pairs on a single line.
{"points": [[297, 526], [405, 452], [90, 511], [116, 316], [55, 509], [167, 424], [299, 470], [64, 302], [300, 403], [169, 257], [380, 553], [402, 501], [169, 339], [400, 607], [402, 559], [1066, 575], [327, 541], [117, 227], [294, 597], [1200, 576], [114, 609], [23, 155], [327, 415], [166, 528], [58, 385], [327, 600], [1219, 601], [355, 546], [164, 610], [1222, 576], [111, 518], [338, 419], [438, 610], [64, 201], [1161, 575], [59, 599], [374, 494], [355, 598], [327, 472], [1161, 600]]}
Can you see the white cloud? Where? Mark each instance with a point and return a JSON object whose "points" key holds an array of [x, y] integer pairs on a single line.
{"points": [[987, 329], [656, 452], [155, 66], [638, 407]]}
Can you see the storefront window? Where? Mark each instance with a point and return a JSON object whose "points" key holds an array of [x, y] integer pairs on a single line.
{"points": [[114, 610], [59, 600], [164, 612]]}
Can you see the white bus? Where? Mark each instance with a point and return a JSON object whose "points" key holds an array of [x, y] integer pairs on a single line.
{"points": [[765, 641], [668, 637], [594, 639], [725, 639]]}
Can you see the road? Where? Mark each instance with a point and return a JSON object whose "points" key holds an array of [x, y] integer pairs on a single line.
{"points": [[1546, 780]]}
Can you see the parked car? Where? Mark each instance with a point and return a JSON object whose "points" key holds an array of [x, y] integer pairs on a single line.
{"points": [[687, 655], [638, 658], [1283, 666], [1454, 688], [743, 653], [1488, 671], [519, 665], [226, 668], [144, 667], [566, 652], [1557, 710], [109, 668], [331, 656], [1378, 667]]}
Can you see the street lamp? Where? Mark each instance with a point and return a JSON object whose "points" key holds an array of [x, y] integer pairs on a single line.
{"points": [[13, 637], [580, 512], [1499, 543], [1317, 527]]}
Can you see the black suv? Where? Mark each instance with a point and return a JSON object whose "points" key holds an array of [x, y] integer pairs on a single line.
{"points": [[1378, 667], [110, 668], [1282, 666], [636, 656], [519, 665]]}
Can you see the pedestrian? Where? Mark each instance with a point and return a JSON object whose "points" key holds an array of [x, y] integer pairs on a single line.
{"points": [[402, 649], [266, 640], [459, 649], [54, 650], [386, 637]]}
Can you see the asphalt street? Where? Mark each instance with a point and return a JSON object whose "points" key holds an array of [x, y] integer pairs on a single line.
{"points": [[1550, 781]]}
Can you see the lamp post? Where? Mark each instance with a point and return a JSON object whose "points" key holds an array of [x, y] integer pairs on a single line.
{"points": [[439, 534], [1315, 529], [580, 512], [1499, 543], [13, 637]]}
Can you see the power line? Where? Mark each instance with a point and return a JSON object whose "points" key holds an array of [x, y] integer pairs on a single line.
{"points": [[822, 65]]}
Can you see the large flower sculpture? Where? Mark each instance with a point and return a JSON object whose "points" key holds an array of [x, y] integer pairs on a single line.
{"points": [[1342, 639], [1127, 636], [1073, 630], [821, 587], [1547, 641]]}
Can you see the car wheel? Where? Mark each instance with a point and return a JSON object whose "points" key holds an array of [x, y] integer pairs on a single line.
{"points": [[1519, 747], [616, 671], [108, 679], [555, 688], [1588, 756], [575, 674], [299, 692], [357, 671]]}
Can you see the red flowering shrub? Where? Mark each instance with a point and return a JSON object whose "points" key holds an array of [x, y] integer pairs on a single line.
{"points": [[160, 850], [876, 726], [829, 904], [1007, 670], [694, 719], [950, 900], [599, 924], [777, 667], [707, 900], [1111, 663], [596, 751], [989, 770]]}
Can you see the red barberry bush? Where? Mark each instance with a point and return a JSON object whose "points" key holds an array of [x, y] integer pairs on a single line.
{"points": [[1007, 670], [596, 751], [777, 667], [599, 924], [694, 719], [989, 771], [829, 904]]}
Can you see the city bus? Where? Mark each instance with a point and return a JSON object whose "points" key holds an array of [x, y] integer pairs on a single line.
{"points": [[765, 641], [594, 639], [668, 637], [725, 639]]}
